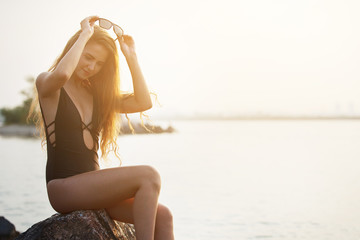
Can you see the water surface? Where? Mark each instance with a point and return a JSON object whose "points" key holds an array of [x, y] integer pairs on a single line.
{"points": [[224, 179]]}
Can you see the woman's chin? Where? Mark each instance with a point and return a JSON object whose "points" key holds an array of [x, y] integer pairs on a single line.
{"points": [[80, 76]]}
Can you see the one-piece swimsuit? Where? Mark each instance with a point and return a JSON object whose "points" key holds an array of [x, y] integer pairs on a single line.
{"points": [[67, 154]]}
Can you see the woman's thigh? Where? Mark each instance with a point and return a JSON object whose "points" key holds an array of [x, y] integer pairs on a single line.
{"points": [[98, 189]]}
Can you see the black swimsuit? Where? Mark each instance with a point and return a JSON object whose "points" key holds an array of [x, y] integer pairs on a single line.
{"points": [[68, 154]]}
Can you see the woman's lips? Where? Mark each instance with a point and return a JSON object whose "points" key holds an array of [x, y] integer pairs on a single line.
{"points": [[86, 72]]}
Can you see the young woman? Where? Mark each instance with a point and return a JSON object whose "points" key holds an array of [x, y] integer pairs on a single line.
{"points": [[79, 99]]}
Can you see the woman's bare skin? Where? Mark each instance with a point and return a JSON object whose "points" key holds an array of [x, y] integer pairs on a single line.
{"points": [[128, 194]]}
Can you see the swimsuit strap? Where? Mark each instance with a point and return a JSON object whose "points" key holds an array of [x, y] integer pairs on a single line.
{"points": [[50, 124], [86, 126], [52, 132]]}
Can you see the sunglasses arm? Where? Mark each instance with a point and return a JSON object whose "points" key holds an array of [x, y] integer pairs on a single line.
{"points": [[117, 38]]}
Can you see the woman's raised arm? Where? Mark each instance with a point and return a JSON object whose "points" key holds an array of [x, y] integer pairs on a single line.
{"points": [[140, 100], [49, 82]]}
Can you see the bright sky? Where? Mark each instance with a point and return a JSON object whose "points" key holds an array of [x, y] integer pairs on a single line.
{"points": [[226, 57]]}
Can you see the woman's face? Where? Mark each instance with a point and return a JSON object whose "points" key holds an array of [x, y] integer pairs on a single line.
{"points": [[91, 61]]}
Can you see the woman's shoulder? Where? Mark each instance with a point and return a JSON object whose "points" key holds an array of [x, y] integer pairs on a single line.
{"points": [[40, 78], [47, 84], [40, 81]]}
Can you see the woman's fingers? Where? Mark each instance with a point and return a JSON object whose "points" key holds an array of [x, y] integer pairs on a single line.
{"points": [[87, 24], [89, 21], [93, 19], [127, 39], [127, 45]]}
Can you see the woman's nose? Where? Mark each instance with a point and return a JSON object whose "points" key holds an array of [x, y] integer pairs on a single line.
{"points": [[91, 66]]}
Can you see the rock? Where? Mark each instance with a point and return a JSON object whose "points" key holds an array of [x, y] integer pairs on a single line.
{"points": [[18, 130], [7, 230], [82, 224], [139, 129]]}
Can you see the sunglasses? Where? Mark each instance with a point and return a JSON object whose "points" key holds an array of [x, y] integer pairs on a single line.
{"points": [[104, 23]]}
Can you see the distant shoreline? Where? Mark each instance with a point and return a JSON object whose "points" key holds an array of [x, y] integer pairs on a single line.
{"points": [[15, 130], [29, 131], [265, 118]]}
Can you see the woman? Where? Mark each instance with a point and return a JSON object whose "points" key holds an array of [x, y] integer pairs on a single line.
{"points": [[79, 99]]}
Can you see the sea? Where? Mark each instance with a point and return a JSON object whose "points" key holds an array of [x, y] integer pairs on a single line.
{"points": [[223, 179]]}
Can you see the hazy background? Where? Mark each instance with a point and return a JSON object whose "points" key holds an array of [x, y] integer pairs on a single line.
{"points": [[246, 179], [205, 57]]}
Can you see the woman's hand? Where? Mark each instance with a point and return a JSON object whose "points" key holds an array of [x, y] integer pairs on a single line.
{"points": [[87, 25], [127, 45]]}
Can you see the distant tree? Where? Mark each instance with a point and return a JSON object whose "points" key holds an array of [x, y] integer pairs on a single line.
{"points": [[18, 114]]}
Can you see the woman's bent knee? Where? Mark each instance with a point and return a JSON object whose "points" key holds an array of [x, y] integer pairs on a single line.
{"points": [[164, 219], [151, 177]]}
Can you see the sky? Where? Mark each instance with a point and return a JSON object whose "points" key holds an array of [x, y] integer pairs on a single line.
{"points": [[226, 57]]}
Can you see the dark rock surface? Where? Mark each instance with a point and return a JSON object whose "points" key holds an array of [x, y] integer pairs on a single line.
{"points": [[7, 230], [84, 224]]}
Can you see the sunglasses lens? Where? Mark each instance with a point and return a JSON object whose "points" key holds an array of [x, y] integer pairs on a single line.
{"points": [[105, 23], [118, 31]]}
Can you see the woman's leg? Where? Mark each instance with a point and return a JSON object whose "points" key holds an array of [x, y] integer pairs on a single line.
{"points": [[123, 212], [104, 188]]}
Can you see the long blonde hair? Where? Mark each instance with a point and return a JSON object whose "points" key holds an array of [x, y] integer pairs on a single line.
{"points": [[105, 87]]}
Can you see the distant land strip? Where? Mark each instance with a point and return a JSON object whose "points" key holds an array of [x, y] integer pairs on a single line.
{"points": [[256, 117]]}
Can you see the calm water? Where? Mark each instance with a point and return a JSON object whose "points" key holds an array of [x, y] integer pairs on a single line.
{"points": [[224, 179]]}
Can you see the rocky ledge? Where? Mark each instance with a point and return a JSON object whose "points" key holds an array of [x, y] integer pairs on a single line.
{"points": [[7, 229], [83, 224]]}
